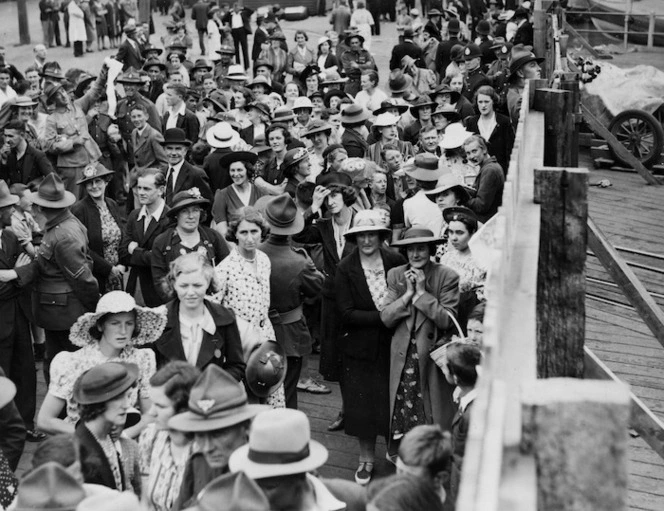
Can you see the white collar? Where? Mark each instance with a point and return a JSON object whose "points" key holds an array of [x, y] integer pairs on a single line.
{"points": [[324, 498], [176, 168], [179, 111], [206, 323], [157, 213], [465, 400]]}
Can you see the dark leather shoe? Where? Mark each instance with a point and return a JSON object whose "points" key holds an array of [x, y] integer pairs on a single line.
{"points": [[338, 424], [32, 435]]}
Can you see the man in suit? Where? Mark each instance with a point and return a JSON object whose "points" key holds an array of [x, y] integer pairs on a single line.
{"points": [[19, 161], [265, 25], [444, 53], [181, 175], [178, 115], [238, 19], [408, 47], [129, 52], [524, 30], [199, 13], [144, 224]]}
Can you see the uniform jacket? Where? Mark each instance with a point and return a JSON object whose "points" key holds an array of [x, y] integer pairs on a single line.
{"points": [[190, 177], [140, 260], [426, 319], [64, 287], [474, 81], [293, 278], [130, 55], [36, 165], [223, 349], [187, 122]]}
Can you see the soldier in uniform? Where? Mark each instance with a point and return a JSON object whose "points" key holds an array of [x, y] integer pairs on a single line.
{"points": [[354, 61], [156, 70], [475, 78], [498, 72], [221, 67], [293, 279]]}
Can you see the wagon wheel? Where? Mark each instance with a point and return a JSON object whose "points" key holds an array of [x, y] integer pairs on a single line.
{"points": [[640, 133]]}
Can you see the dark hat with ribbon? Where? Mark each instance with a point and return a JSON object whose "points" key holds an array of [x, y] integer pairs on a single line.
{"points": [[130, 76], [399, 82], [175, 136], [245, 156], [283, 114], [521, 58], [151, 47], [453, 26], [51, 193], [449, 112], [334, 179], [316, 126], [266, 366], [104, 382], [202, 64], [421, 102], [483, 27], [390, 104], [354, 114], [152, 62], [444, 88], [261, 107], [283, 216], [84, 79]]}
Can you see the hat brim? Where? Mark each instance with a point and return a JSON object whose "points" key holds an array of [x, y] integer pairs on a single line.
{"points": [[406, 86], [416, 241], [246, 156], [185, 142], [9, 201], [402, 109], [460, 189], [151, 323], [362, 117], [239, 461], [217, 143], [81, 86], [420, 174], [453, 143], [519, 63], [160, 65], [175, 209], [313, 131], [109, 394], [191, 422], [294, 228], [65, 202], [366, 228], [107, 172]]}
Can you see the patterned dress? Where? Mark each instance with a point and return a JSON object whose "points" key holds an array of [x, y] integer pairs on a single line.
{"points": [[247, 294], [111, 236]]}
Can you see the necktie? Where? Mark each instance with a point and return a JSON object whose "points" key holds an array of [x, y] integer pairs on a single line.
{"points": [[169, 181]]}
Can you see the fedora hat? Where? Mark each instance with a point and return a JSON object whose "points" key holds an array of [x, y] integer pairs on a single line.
{"points": [[399, 82], [263, 63], [202, 64], [246, 156], [434, 12], [283, 114], [389, 104], [151, 62], [104, 382], [282, 215], [266, 366], [236, 73], [447, 182], [24, 101], [149, 322], [455, 135], [130, 76], [151, 47], [111, 501], [260, 80], [279, 444], [452, 11], [222, 135], [423, 168], [7, 390], [483, 27], [386, 119], [82, 82], [129, 28], [216, 401], [94, 170], [51, 193], [471, 51], [316, 126], [334, 179], [506, 15], [455, 212], [367, 220], [237, 491], [449, 112], [49, 487], [421, 102], [186, 198], [520, 59], [6, 198], [175, 136], [354, 114], [416, 235]]}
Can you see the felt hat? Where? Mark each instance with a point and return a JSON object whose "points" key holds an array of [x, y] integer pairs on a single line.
{"points": [[6, 198], [455, 212], [50, 89], [236, 73], [186, 198], [471, 51], [129, 28], [455, 135], [83, 80], [352, 33], [334, 179], [216, 401], [421, 102], [104, 382], [367, 220], [294, 156], [423, 168], [263, 63], [266, 366], [261, 107], [130, 76], [434, 12], [246, 156], [51, 193], [452, 11], [453, 26], [175, 136], [386, 119], [24, 101], [354, 114], [93, 171], [416, 235], [316, 126], [399, 82], [260, 80], [279, 444], [282, 215], [447, 182], [7, 390], [309, 70], [53, 71], [302, 102], [151, 47], [219, 101], [283, 114], [225, 49], [521, 58], [389, 104], [222, 135], [151, 62], [333, 78], [111, 501], [49, 487], [150, 322], [483, 27], [237, 491], [447, 111], [202, 64]]}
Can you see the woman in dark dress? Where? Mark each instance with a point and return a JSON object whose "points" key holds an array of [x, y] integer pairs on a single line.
{"points": [[361, 284]]}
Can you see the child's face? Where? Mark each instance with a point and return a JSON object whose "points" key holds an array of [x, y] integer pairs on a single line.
{"points": [[25, 204]]}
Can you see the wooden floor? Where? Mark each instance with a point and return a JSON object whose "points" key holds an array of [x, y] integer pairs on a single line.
{"points": [[630, 215]]}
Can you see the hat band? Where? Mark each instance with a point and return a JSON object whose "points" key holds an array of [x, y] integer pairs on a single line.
{"points": [[220, 139], [277, 458], [280, 223]]}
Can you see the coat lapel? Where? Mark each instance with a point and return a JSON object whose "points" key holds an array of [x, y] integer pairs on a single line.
{"points": [[206, 353], [182, 175], [28, 163], [170, 343]]}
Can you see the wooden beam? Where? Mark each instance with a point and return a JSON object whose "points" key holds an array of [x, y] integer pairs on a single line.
{"points": [[595, 54], [539, 30], [617, 147], [622, 274], [642, 420], [559, 122], [561, 282]]}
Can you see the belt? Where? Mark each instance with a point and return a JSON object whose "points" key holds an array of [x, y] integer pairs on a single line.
{"points": [[292, 316]]}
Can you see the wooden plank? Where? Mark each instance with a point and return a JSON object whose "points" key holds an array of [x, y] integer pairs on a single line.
{"points": [[624, 276], [558, 108], [620, 150], [595, 54]]}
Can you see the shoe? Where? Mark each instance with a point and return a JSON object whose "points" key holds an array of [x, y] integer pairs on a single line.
{"points": [[364, 473], [313, 387], [32, 435], [338, 424]]}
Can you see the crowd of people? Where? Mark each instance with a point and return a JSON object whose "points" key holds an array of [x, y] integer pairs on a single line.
{"points": [[180, 236]]}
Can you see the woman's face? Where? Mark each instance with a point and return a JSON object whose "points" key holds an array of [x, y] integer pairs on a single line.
{"points": [[484, 104], [277, 141], [324, 48], [389, 133], [366, 83], [335, 101], [117, 330], [238, 173], [175, 60], [379, 184], [259, 89], [312, 83], [424, 113], [248, 236], [457, 83], [440, 122], [368, 242], [304, 167], [335, 202], [418, 255], [238, 97], [339, 158], [254, 116], [276, 44], [301, 40], [475, 331], [116, 409], [446, 199], [191, 288], [292, 91], [189, 218], [161, 409], [458, 235], [96, 188]]}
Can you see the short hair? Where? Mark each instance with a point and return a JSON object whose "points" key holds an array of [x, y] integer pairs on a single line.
{"points": [[427, 129], [477, 313], [479, 139], [330, 152], [179, 89], [372, 74], [159, 177], [15, 124], [207, 76], [462, 361], [247, 93], [21, 87], [426, 446], [191, 263], [139, 106], [348, 194], [486, 90], [177, 378], [89, 413], [250, 214], [389, 147], [288, 138], [300, 32], [62, 448], [198, 152], [250, 168], [467, 220], [4, 70], [31, 68], [403, 492]]}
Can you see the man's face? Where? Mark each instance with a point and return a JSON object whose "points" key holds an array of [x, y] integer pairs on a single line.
{"points": [[263, 71], [473, 64], [130, 89], [40, 51], [24, 113], [6, 216], [176, 78], [475, 153], [33, 78], [172, 98], [430, 140], [148, 191], [4, 80], [175, 153], [303, 115], [61, 98], [13, 138], [217, 446], [154, 72], [355, 44], [139, 119]]}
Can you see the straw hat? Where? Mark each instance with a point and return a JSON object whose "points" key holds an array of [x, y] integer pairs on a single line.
{"points": [[455, 135], [424, 167], [448, 182], [6, 198], [416, 235], [354, 114], [367, 220], [150, 322], [51, 193], [386, 119], [282, 215], [222, 135]]}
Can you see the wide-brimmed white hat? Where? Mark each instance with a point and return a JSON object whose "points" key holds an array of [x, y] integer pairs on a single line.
{"points": [[455, 135], [222, 135], [447, 182], [149, 322], [279, 444], [367, 220], [386, 119]]}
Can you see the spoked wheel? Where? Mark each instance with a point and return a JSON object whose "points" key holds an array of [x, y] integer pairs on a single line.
{"points": [[640, 133]]}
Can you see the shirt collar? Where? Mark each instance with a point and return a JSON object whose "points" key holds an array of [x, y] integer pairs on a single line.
{"points": [[465, 400], [157, 213], [179, 111], [206, 323], [61, 217]]}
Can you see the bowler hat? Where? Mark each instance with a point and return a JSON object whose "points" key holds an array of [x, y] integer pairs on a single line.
{"points": [[104, 382], [94, 170], [423, 168], [453, 26], [131, 75], [222, 135], [483, 27], [283, 216], [354, 114], [367, 220], [416, 235], [6, 198], [237, 491], [175, 136], [266, 366], [186, 198], [49, 487], [471, 51], [51, 193]]}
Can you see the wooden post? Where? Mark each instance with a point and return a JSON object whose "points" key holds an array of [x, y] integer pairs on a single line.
{"points": [[651, 29], [23, 29], [577, 431], [573, 87], [558, 109], [561, 280], [539, 29]]}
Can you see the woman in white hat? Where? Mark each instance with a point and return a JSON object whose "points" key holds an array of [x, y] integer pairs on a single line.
{"points": [[111, 333], [385, 127], [454, 157]]}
